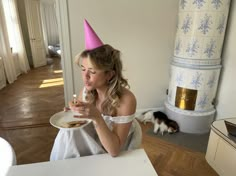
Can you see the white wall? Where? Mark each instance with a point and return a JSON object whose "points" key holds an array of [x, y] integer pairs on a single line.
{"points": [[144, 31], [226, 99]]}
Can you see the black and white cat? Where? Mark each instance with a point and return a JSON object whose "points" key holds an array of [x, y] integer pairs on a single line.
{"points": [[161, 122], [164, 124]]}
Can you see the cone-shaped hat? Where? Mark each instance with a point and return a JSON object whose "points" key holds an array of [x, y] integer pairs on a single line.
{"points": [[91, 39]]}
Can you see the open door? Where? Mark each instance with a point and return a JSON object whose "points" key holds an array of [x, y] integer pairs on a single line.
{"points": [[32, 8]]}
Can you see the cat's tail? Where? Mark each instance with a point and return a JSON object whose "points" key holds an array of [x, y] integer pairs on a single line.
{"points": [[141, 117], [143, 113]]}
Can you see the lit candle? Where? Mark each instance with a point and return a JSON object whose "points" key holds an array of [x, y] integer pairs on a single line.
{"points": [[75, 99]]}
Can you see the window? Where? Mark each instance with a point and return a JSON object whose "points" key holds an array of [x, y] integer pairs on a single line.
{"points": [[11, 21]]}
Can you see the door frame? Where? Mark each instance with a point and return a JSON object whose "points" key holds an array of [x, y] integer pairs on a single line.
{"points": [[65, 44]]}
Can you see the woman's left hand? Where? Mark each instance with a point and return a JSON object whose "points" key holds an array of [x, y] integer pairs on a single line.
{"points": [[86, 110]]}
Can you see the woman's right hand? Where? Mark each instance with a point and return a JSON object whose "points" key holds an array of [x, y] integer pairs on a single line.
{"points": [[86, 110], [75, 107]]}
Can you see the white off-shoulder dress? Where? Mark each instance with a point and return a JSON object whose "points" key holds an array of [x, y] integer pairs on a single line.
{"points": [[85, 141]]}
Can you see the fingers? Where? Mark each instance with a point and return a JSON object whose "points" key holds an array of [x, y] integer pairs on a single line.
{"points": [[84, 113], [82, 108], [81, 116], [78, 103], [66, 109]]}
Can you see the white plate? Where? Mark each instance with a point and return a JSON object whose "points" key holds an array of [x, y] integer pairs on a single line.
{"points": [[58, 119]]}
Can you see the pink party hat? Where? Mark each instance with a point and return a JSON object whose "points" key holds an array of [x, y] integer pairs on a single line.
{"points": [[91, 39]]}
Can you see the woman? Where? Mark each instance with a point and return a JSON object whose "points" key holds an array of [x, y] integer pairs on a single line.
{"points": [[108, 102]]}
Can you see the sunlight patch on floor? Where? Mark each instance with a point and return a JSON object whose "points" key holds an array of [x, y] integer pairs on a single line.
{"points": [[52, 82], [57, 71]]}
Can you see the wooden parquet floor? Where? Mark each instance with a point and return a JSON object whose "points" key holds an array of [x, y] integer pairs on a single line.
{"points": [[32, 98], [25, 110], [172, 160]]}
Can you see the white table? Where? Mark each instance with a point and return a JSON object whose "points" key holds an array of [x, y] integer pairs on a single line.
{"points": [[129, 163], [221, 150]]}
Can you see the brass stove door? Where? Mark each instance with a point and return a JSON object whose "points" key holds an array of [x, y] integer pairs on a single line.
{"points": [[185, 98]]}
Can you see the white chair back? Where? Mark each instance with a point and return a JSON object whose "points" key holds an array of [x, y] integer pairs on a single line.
{"points": [[135, 139], [7, 156]]}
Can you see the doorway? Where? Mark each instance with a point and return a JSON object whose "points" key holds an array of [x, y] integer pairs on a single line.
{"points": [[25, 109]]}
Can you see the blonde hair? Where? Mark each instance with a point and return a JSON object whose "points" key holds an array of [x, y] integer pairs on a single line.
{"points": [[108, 59]]}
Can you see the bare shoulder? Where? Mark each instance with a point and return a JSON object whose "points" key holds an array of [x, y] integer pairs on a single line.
{"points": [[127, 103]]}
